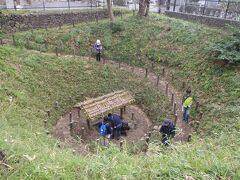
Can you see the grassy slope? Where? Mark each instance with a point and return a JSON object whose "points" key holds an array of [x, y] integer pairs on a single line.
{"points": [[36, 81]]}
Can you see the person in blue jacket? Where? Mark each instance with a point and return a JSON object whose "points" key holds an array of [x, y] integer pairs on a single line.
{"points": [[104, 127], [117, 124]]}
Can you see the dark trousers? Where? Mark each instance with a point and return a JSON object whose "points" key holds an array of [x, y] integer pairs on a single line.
{"points": [[98, 57]]}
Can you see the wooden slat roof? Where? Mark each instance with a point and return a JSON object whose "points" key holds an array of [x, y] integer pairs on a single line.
{"points": [[99, 106]]}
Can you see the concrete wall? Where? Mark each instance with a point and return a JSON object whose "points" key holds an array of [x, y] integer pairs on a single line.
{"points": [[11, 23], [208, 20]]}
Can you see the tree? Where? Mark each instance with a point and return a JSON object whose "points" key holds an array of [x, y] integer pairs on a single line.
{"points": [[110, 11], [142, 7]]}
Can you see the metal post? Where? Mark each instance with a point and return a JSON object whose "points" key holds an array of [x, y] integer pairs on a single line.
{"points": [[14, 5], [227, 9], [204, 7], [174, 5], [159, 5], [68, 4], [119, 64], [44, 8]]}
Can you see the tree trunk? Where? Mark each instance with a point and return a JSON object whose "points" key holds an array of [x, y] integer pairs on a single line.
{"points": [[110, 11], [142, 7], [147, 7]]}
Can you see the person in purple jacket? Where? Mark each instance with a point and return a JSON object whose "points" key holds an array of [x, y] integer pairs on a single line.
{"points": [[98, 49], [117, 124]]}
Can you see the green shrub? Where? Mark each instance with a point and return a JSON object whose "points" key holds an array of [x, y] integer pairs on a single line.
{"points": [[117, 26], [227, 50]]}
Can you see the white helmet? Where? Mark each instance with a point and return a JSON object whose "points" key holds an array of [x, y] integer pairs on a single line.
{"points": [[98, 41]]}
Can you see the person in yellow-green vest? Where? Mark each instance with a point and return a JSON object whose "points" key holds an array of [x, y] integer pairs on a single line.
{"points": [[187, 103]]}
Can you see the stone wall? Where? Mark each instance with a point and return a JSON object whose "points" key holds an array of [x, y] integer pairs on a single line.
{"points": [[14, 22], [208, 20]]}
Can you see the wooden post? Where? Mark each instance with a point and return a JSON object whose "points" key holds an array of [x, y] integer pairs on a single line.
{"points": [[149, 134], [46, 26], [56, 50], [13, 38], [132, 68], [48, 113], [146, 75], [174, 107], [74, 52], [97, 140], [183, 85], [60, 25], [45, 123], [135, 125], [175, 120], [121, 112], [166, 89], [73, 23], [132, 116], [88, 124], [124, 108], [158, 77], [70, 116], [163, 72], [79, 111], [121, 146], [201, 115], [104, 140], [152, 65], [46, 45], [189, 138], [147, 140], [82, 131], [119, 64], [56, 104], [197, 105], [71, 127], [172, 99]]}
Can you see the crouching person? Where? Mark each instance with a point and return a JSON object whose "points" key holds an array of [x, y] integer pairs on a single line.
{"points": [[104, 129], [168, 131]]}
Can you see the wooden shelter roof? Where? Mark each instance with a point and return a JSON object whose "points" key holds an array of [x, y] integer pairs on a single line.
{"points": [[99, 106]]}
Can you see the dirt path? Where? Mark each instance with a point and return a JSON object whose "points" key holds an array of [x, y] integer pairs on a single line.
{"points": [[140, 125]]}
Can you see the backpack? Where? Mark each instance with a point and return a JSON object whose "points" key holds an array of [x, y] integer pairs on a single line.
{"points": [[103, 129]]}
